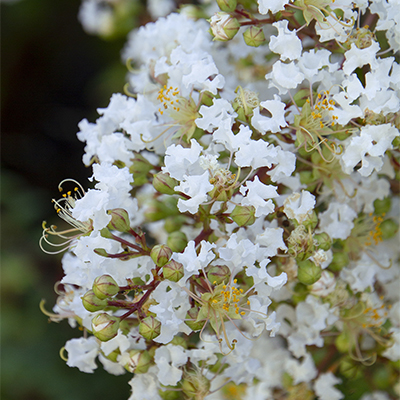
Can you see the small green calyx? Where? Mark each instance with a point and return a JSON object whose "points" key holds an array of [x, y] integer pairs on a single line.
{"points": [[119, 220], [104, 286], [105, 326], [218, 274], [254, 36], [150, 328], [323, 240], [92, 303], [244, 215], [224, 27], [173, 271], [177, 241], [139, 361], [160, 254], [192, 321], [227, 5], [164, 184], [308, 273], [195, 385]]}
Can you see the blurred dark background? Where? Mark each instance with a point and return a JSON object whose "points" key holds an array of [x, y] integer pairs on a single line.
{"points": [[53, 75]]}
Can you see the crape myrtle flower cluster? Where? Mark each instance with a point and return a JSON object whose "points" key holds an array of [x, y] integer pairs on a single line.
{"points": [[240, 239]]}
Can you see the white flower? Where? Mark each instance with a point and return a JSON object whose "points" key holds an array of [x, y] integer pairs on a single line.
{"points": [[324, 285], [356, 57], [82, 353], [180, 161], [168, 358], [303, 371], [337, 220], [213, 116], [270, 124], [287, 44], [324, 387], [299, 205], [368, 148], [192, 262], [285, 76], [255, 193], [264, 6], [197, 187]]}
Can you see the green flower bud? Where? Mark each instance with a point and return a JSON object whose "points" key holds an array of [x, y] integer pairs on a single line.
{"points": [[105, 326], [324, 241], [308, 273], [191, 319], [119, 220], [101, 252], [195, 385], [254, 36], [105, 233], [244, 215], [92, 303], [140, 165], [218, 274], [219, 194], [139, 361], [105, 286], [311, 221], [227, 5], [223, 26], [166, 394], [343, 342], [160, 254], [162, 209], [389, 228], [164, 184], [113, 356], [150, 328], [339, 261], [177, 241], [349, 369], [174, 223], [382, 206], [173, 271], [179, 341]]}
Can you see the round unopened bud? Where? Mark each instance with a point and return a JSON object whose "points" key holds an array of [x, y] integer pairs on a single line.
{"points": [[324, 241], [177, 241], [311, 221], [179, 341], [254, 36], [104, 286], [195, 385], [382, 206], [173, 271], [119, 220], [218, 274], [160, 254], [172, 394], [244, 215], [139, 361], [223, 26], [164, 184], [308, 273], [92, 303], [339, 261], [227, 5], [174, 223], [105, 326], [150, 328], [388, 228], [191, 319]]}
